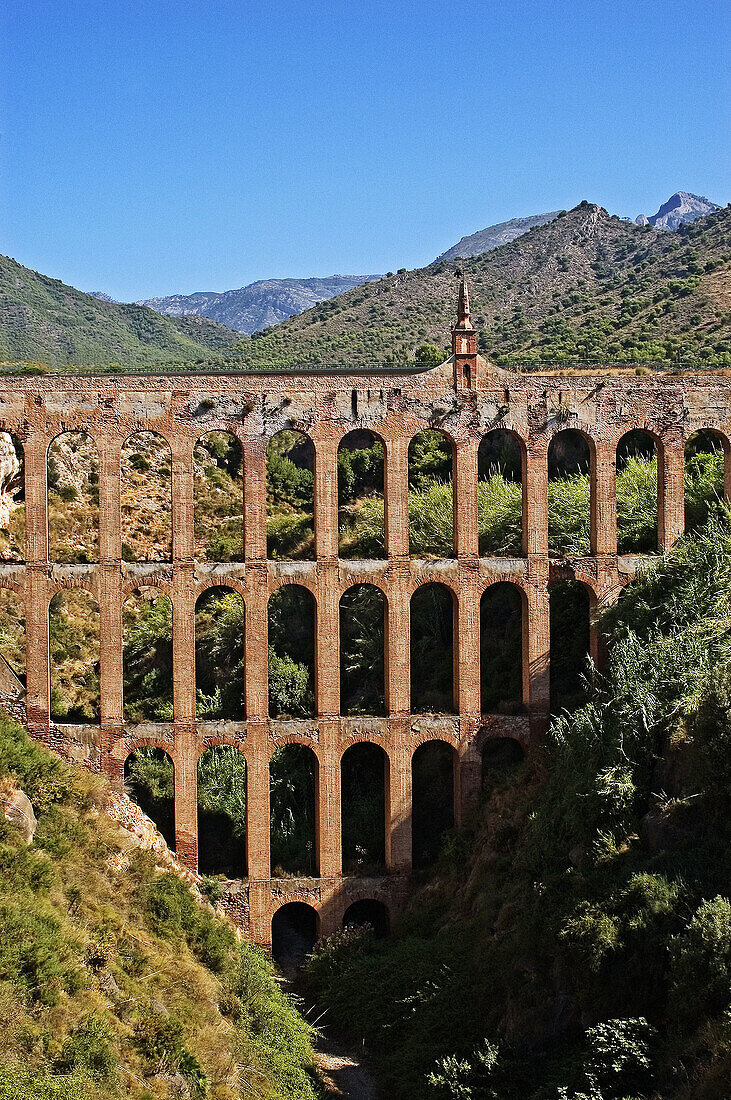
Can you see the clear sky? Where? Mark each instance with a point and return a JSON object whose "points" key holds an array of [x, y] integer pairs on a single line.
{"points": [[151, 147]]}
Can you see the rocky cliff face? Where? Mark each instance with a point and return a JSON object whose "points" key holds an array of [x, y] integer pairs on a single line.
{"points": [[680, 208], [259, 305], [10, 478]]}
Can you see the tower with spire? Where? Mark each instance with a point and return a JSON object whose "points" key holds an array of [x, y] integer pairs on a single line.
{"points": [[464, 341]]}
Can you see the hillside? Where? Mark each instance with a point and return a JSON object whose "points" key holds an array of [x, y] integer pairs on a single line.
{"points": [[495, 235], [586, 285], [258, 305], [575, 943], [116, 979], [42, 319]]}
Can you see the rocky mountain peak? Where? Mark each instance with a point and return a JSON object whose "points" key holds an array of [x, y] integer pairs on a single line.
{"points": [[680, 208]]}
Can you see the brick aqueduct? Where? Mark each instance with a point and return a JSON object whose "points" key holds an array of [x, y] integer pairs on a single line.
{"points": [[464, 398]]}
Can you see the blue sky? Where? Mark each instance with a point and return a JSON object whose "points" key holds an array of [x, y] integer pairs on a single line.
{"points": [[150, 147]]}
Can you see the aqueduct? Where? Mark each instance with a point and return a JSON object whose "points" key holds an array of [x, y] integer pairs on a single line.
{"points": [[465, 398]]}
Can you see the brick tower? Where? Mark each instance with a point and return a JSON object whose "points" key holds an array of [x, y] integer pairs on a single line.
{"points": [[464, 342]]}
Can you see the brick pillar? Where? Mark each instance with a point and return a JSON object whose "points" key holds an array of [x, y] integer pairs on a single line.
{"points": [[467, 648], [186, 797], [329, 847], [398, 806], [258, 860], [398, 646], [326, 499], [327, 640], [604, 501], [465, 499], [255, 499], [110, 584], [256, 666], [182, 502], [183, 644], [535, 502], [396, 494], [670, 493], [537, 643]]}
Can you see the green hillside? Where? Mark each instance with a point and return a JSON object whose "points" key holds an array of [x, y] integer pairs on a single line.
{"points": [[584, 286], [43, 320]]}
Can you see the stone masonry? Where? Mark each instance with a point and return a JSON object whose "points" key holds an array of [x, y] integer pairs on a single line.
{"points": [[465, 398]]}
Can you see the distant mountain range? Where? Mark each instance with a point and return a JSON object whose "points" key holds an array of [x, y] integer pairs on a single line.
{"points": [[681, 208], [495, 235]]}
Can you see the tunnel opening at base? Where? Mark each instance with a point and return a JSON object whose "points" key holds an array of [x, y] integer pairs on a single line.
{"points": [[294, 933], [149, 780], [368, 913], [432, 813], [221, 794], [364, 780]]}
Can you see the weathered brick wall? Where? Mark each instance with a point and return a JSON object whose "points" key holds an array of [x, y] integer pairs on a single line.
{"points": [[602, 404]]}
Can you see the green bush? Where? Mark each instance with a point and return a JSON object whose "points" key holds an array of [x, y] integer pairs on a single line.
{"points": [[701, 963]]}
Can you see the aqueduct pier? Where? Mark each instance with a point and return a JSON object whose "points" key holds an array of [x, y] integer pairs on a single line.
{"points": [[465, 398]]}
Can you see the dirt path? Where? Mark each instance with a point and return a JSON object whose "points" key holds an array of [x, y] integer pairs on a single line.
{"points": [[342, 1073]]}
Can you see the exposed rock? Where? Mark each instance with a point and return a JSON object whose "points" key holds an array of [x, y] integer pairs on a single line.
{"points": [[495, 235], [10, 478], [18, 811], [682, 207]]}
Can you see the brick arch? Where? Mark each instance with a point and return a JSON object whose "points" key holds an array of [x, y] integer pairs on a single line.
{"points": [[216, 740], [149, 431], [724, 438], [134, 584], [236, 584], [11, 585], [365, 739], [519, 582], [360, 577], [364, 428], [426, 577], [297, 739], [77, 584], [306, 582], [426, 737]]}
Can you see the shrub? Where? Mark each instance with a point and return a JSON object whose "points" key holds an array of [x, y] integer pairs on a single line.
{"points": [[701, 963]]}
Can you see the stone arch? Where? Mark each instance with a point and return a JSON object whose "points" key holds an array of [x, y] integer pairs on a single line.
{"points": [[221, 786], [707, 475], [290, 504], [361, 504], [503, 645], [12, 643], [12, 498], [571, 492], [149, 780], [74, 656], [218, 496], [146, 497], [500, 493], [147, 655], [432, 498], [434, 779], [368, 913], [364, 775], [72, 472], [638, 491], [292, 631], [294, 796], [363, 631], [570, 604], [434, 655], [220, 653], [295, 931]]}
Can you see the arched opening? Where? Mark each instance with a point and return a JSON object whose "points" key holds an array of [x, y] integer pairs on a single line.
{"points": [[362, 650], [294, 934], [707, 457], [636, 493], [12, 644], [291, 652], [146, 496], [290, 496], [12, 498], [501, 649], [149, 780], [432, 650], [73, 624], [361, 457], [147, 656], [432, 814], [500, 495], [364, 781], [218, 486], [73, 498], [220, 656], [570, 605], [368, 913], [569, 494], [293, 774], [500, 757], [431, 496], [221, 787]]}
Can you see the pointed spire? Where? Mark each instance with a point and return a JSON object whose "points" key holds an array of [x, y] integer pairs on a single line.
{"points": [[464, 322]]}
